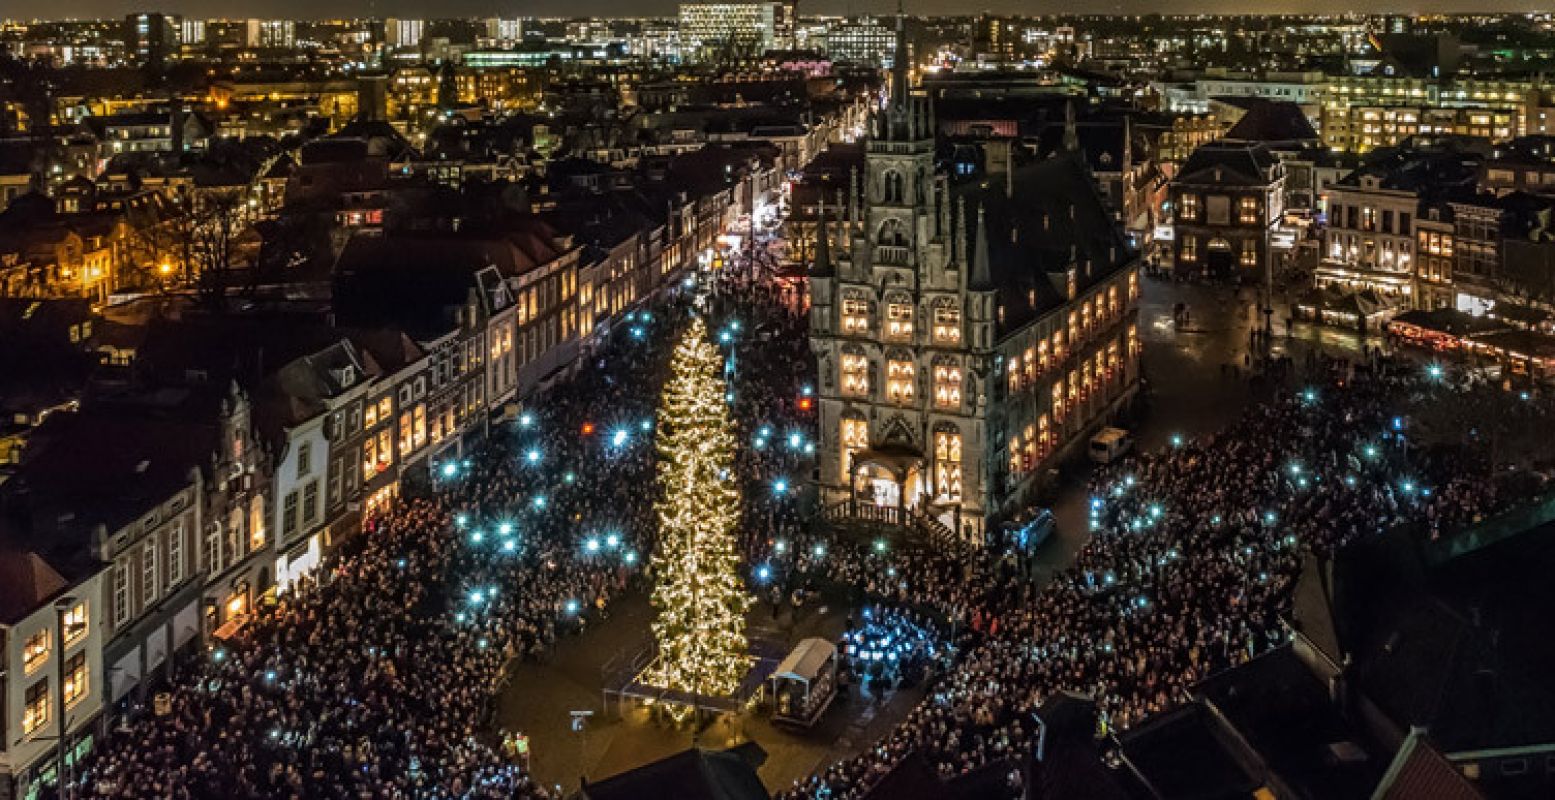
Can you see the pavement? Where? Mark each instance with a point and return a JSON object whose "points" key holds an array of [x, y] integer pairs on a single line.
{"points": [[1188, 394], [541, 696]]}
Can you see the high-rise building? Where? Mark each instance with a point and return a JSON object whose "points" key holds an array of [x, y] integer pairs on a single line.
{"points": [[192, 31], [402, 32], [863, 40], [504, 30], [281, 33], [710, 31], [149, 38]]}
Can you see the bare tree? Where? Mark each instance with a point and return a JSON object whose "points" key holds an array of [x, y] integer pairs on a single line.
{"points": [[218, 219]]}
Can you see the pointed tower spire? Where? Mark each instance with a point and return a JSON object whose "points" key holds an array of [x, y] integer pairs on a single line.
{"points": [[899, 61], [1071, 134], [982, 276], [822, 267]]}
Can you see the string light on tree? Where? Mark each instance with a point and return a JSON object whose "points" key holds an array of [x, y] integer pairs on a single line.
{"points": [[700, 599]]}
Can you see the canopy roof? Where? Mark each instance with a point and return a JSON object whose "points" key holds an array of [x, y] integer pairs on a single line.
{"points": [[804, 663]]}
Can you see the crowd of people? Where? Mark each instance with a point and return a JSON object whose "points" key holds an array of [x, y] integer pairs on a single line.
{"points": [[891, 646], [1194, 554], [375, 679]]}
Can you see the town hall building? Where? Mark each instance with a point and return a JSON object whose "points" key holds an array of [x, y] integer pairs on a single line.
{"points": [[966, 331]]}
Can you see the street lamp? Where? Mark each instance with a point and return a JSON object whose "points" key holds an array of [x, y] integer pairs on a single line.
{"points": [[62, 608]]}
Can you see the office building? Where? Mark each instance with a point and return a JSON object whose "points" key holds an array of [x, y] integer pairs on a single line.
{"points": [[403, 32], [277, 33], [715, 31], [149, 38]]}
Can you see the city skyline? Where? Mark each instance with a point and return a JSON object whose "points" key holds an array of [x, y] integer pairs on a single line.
{"points": [[553, 402], [302, 9]]}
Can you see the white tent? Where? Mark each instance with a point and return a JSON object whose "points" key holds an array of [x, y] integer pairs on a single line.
{"points": [[805, 682], [804, 663]]}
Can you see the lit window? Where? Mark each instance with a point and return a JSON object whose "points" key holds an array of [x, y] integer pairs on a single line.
{"points": [[35, 708], [1014, 375], [35, 650], [419, 435], [1249, 253], [75, 678], [121, 592], [1189, 252], [385, 450], [1189, 207], [899, 381], [1247, 210], [947, 325], [947, 466], [855, 315], [370, 416], [1058, 401], [149, 584], [899, 320], [855, 437], [947, 386], [75, 623], [256, 523], [855, 375]]}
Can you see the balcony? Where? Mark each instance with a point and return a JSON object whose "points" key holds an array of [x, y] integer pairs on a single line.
{"points": [[893, 256]]}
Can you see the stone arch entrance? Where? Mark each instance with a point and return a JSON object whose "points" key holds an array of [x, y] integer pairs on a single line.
{"points": [[887, 482]]}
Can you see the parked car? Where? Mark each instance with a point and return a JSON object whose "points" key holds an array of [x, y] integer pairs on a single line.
{"points": [[1110, 444]]}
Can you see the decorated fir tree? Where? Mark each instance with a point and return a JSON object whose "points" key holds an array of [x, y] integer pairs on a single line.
{"points": [[699, 597]]}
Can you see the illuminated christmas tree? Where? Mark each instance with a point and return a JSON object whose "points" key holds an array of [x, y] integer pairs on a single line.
{"points": [[699, 596]]}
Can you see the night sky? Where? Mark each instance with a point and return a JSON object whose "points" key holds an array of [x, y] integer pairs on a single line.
{"points": [[21, 9]]}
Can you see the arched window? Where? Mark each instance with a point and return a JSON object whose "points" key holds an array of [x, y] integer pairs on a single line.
{"points": [[947, 463], [899, 312], [892, 187], [947, 383], [855, 372], [855, 313], [892, 234], [947, 321], [901, 381], [854, 436]]}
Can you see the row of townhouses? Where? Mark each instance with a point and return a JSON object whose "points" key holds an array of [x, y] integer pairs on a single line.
{"points": [[166, 469]]}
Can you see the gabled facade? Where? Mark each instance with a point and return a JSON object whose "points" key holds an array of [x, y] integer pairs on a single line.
{"points": [[1227, 201], [965, 333]]}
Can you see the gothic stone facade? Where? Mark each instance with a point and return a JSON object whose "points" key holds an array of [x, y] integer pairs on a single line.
{"points": [[965, 332]]}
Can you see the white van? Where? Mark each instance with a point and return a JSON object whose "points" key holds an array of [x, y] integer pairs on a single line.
{"points": [[1110, 444]]}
